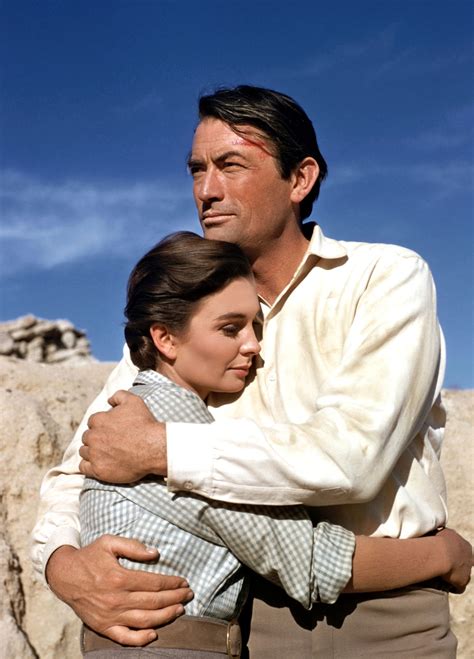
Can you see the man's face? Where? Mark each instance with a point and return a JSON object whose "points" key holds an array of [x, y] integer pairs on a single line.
{"points": [[239, 192]]}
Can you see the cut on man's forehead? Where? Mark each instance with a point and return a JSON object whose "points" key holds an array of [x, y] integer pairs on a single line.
{"points": [[251, 137], [245, 134]]}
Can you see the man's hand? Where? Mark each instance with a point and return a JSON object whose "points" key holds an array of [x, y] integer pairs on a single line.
{"points": [[111, 599], [458, 552], [125, 443]]}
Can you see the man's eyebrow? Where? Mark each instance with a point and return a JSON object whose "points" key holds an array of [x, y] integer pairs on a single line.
{"points": [[190, 160], [232, 153]]}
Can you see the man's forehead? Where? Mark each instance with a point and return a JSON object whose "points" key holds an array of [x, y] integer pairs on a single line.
{"points": [[213, 133]]}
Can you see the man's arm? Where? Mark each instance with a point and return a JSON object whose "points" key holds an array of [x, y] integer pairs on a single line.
{"points": [[108, 597], [125, 605], [366, 413], [364, 417], [58, 511]]}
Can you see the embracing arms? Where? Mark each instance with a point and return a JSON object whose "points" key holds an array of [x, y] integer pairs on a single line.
{"points": [[112, 600], [380, 419]]}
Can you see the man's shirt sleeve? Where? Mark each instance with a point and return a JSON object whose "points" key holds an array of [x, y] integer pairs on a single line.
{"points": [[58, 512], [365, 415]]}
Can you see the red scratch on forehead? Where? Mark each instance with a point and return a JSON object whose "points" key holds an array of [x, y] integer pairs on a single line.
{"points": [[259, 144]]}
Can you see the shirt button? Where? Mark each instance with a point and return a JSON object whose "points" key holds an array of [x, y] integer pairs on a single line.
{"points": [[188, 485]]}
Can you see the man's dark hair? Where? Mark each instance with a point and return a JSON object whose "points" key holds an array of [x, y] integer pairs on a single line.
{"points": [[167, 284], [277, 116]]}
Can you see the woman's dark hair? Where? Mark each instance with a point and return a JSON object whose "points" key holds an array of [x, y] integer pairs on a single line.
{"points": [[167, 283], [277, 116]]}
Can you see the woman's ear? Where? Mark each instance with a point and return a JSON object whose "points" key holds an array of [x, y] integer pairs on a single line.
{"points": [[164, 341]]}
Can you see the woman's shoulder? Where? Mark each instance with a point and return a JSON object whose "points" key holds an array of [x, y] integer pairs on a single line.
{"points": [[168, 401]]}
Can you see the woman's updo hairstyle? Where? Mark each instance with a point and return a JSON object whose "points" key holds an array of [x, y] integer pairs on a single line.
{"points": [[168, 282]]}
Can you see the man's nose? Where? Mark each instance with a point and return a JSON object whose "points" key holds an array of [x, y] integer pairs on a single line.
{"points": [[209, 186]]}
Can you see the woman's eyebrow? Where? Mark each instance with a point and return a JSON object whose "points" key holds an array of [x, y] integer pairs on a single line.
{"points": [[231, 315]]}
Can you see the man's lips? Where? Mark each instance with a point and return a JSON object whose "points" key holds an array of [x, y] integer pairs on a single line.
{"points": [[211, 217]]}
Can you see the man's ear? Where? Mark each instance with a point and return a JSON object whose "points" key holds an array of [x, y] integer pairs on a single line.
{"points": [[164, 341], [305, 176]]}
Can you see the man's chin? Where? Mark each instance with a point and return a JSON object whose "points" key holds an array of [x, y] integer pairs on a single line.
{"points": [[218, 232]]}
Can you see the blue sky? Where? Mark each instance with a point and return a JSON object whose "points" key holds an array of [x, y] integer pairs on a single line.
{"points": [[98, 106]]}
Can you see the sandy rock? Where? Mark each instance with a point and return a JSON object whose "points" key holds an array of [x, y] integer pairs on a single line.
{"points": [[7, 344], [19, 323], [68, 338], [39, 340], [14, 643], [41, 405], [458, 462], [35, 349]]}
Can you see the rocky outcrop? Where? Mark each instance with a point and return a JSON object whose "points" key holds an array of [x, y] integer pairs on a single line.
{"points": [[38, 340], [40, 407], [12, 606]]}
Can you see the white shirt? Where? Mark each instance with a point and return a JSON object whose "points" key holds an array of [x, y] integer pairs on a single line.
{"points": [[344, 410]]}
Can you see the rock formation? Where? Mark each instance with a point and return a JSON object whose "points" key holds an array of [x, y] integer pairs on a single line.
{"points": [[41, 405], [38, 340]]}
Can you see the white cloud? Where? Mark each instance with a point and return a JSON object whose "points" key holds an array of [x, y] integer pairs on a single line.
{"points": [[44, 224], [376, 47], [382, 57], [443, 178], [150, 101], [453, 132]]}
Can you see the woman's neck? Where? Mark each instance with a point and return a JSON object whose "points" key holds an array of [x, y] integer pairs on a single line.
{"points": [[166, 369]]}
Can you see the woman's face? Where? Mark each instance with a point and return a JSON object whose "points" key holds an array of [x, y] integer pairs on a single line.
{"points": [[216, 351]]}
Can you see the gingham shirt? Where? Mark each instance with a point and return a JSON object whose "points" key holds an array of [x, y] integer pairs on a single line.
{"points": [[208, 541]]}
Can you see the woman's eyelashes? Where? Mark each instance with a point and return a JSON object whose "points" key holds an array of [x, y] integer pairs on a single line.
{"points": [[231, 329]]}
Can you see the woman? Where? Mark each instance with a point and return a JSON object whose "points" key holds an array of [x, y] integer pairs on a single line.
{"points": [[191, 311]]}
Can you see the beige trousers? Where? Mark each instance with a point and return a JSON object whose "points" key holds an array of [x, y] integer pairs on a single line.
{"points": [[411, 622]]}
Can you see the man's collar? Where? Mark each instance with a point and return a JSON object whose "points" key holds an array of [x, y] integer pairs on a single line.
{"points": [[319, 245], [319, 248]]}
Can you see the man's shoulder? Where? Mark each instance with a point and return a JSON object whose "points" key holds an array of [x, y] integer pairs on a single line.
{"points": [[345, 252], [386, 261], [379, 250]]}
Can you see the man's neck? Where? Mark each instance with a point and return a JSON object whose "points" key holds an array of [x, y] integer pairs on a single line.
{"points": [[275, 266]]}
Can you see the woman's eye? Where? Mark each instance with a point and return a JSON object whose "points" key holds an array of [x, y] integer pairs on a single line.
{"points": [[230, 330]]}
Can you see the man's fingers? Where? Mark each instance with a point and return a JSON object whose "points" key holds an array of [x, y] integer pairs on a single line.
{"points": [[129, 548], [86, 468], [155, 602], [119, 397], [84, 452], [126, 636], [149, 619], [140, 581], [137, 637], [94, 421]]}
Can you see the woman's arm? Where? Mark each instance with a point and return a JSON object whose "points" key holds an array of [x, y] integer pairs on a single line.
{"points": [[315, 564], [389, 563]]}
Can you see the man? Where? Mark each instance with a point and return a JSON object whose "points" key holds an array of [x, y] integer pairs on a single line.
{"points": [[343, 411]]}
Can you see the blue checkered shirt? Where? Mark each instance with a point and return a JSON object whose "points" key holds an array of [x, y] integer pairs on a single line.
{"points": [[210, 542]]}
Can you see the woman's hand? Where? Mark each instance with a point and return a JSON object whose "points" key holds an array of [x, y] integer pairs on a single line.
{"points": [[459, 559]]}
